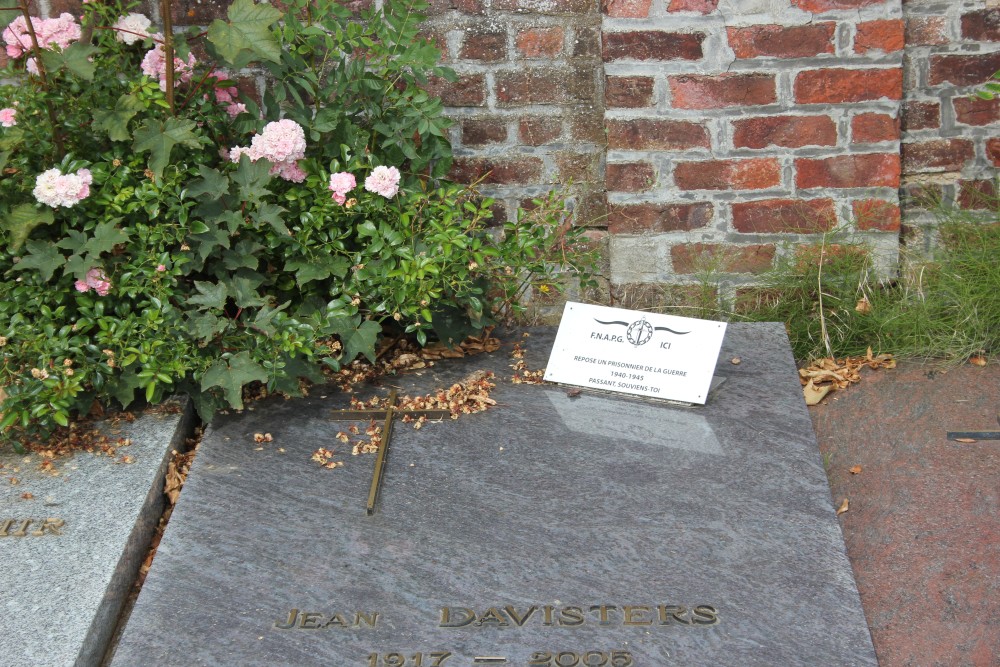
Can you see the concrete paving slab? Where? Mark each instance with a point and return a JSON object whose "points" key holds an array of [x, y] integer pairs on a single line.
{"points": [[72, 537]]}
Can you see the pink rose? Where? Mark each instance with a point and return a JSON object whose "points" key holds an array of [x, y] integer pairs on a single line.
{"points": [[7, 117], [383, 181]]}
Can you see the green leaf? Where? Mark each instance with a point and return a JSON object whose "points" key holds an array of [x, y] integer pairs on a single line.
{"points": [[42, 255], [319, 267], [6, 15], [106, 237], [231, 375], [115, 121], [205, 326], [210, 295], [123, 387], [248, 29], [296, 367], [212, 182], [271, 214], [252, 177], [356, 339], [76, 58], [243, 289], [159, 138], [263, 322], [20, 222]]}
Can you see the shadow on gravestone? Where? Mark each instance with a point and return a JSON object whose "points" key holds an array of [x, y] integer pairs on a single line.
{"points": [[550, 530], [72, 541]]}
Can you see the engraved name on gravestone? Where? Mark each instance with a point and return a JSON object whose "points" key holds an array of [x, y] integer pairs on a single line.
{"points": [[553, 530], [632, 352]]}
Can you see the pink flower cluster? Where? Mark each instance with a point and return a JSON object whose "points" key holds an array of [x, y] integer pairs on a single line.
{"points": [[60, 32], [55, 188], [340, 184], [283, 143], [154, 65], [95, 280], [7, 117], [226, 94], [383, 181]]}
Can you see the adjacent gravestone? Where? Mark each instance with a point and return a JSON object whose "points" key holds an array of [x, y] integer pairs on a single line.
{"points": [[73, 533], [559, 528]]}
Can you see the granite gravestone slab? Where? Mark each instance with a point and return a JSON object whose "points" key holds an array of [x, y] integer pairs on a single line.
{"points": [[72, 539], [554, 530]]}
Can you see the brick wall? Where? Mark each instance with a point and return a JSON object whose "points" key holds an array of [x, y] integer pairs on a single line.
{"points": [[951, 141], [715, 134]]}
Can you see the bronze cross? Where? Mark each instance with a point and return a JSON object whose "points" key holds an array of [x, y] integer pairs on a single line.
{"points": [[389, 412]]}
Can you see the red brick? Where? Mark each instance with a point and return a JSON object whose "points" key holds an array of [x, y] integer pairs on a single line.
{"points": [[968, 70], [926, 31], [978, 194], [473, 7], [876, 215], [870, 128], [518, 171], [752, 174], [588, 127], [544, 85], [629, 176], [837, 86], [587, 43], [695, 257], [885, 35], [577, 167], [656, 135], [782, 41], [817, 6], [700, 6], [485, 46], [982, 26], [627, 9], [467, 91], [976, 111], [74, 7], [628, 92], [538, 131], [993, 151], [482, 132], [921, 116], [870, 170], [724, 90], [937, 155], [548, 7], [658, 218], [787, 131], [794, 216], [540, 42], [652, 45]]}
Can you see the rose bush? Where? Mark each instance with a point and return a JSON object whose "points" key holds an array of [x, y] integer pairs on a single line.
{"points": [[165, 233]]}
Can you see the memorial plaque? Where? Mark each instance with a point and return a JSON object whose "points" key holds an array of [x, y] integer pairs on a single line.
{"points": [[554, 529]]}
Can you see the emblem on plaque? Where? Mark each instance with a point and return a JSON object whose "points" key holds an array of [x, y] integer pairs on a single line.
{"points": [[639, 332]]}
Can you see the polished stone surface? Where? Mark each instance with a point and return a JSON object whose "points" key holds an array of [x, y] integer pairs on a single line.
{"points": [[63, 583], [571, 525]]}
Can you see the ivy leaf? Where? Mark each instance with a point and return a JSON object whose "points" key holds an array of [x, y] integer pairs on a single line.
{"points": [[123, 387], [242, 256], [212, 182], [252, 177], [115, 121], [42, 255], [243, 289], [205, 243], [356, 339], [106, 237], [248, 29], [263, 322], [271, 214], [231, 375], [22, 219], [159, 138], [205, 326], [296, 367], [76, 58], [320, 267], [210, 295]]}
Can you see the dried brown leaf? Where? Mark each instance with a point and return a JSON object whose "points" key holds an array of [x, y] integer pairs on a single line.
{"points": [[814, 394], [844, 506], [965, 440], [977, 360], [855, 470]]}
